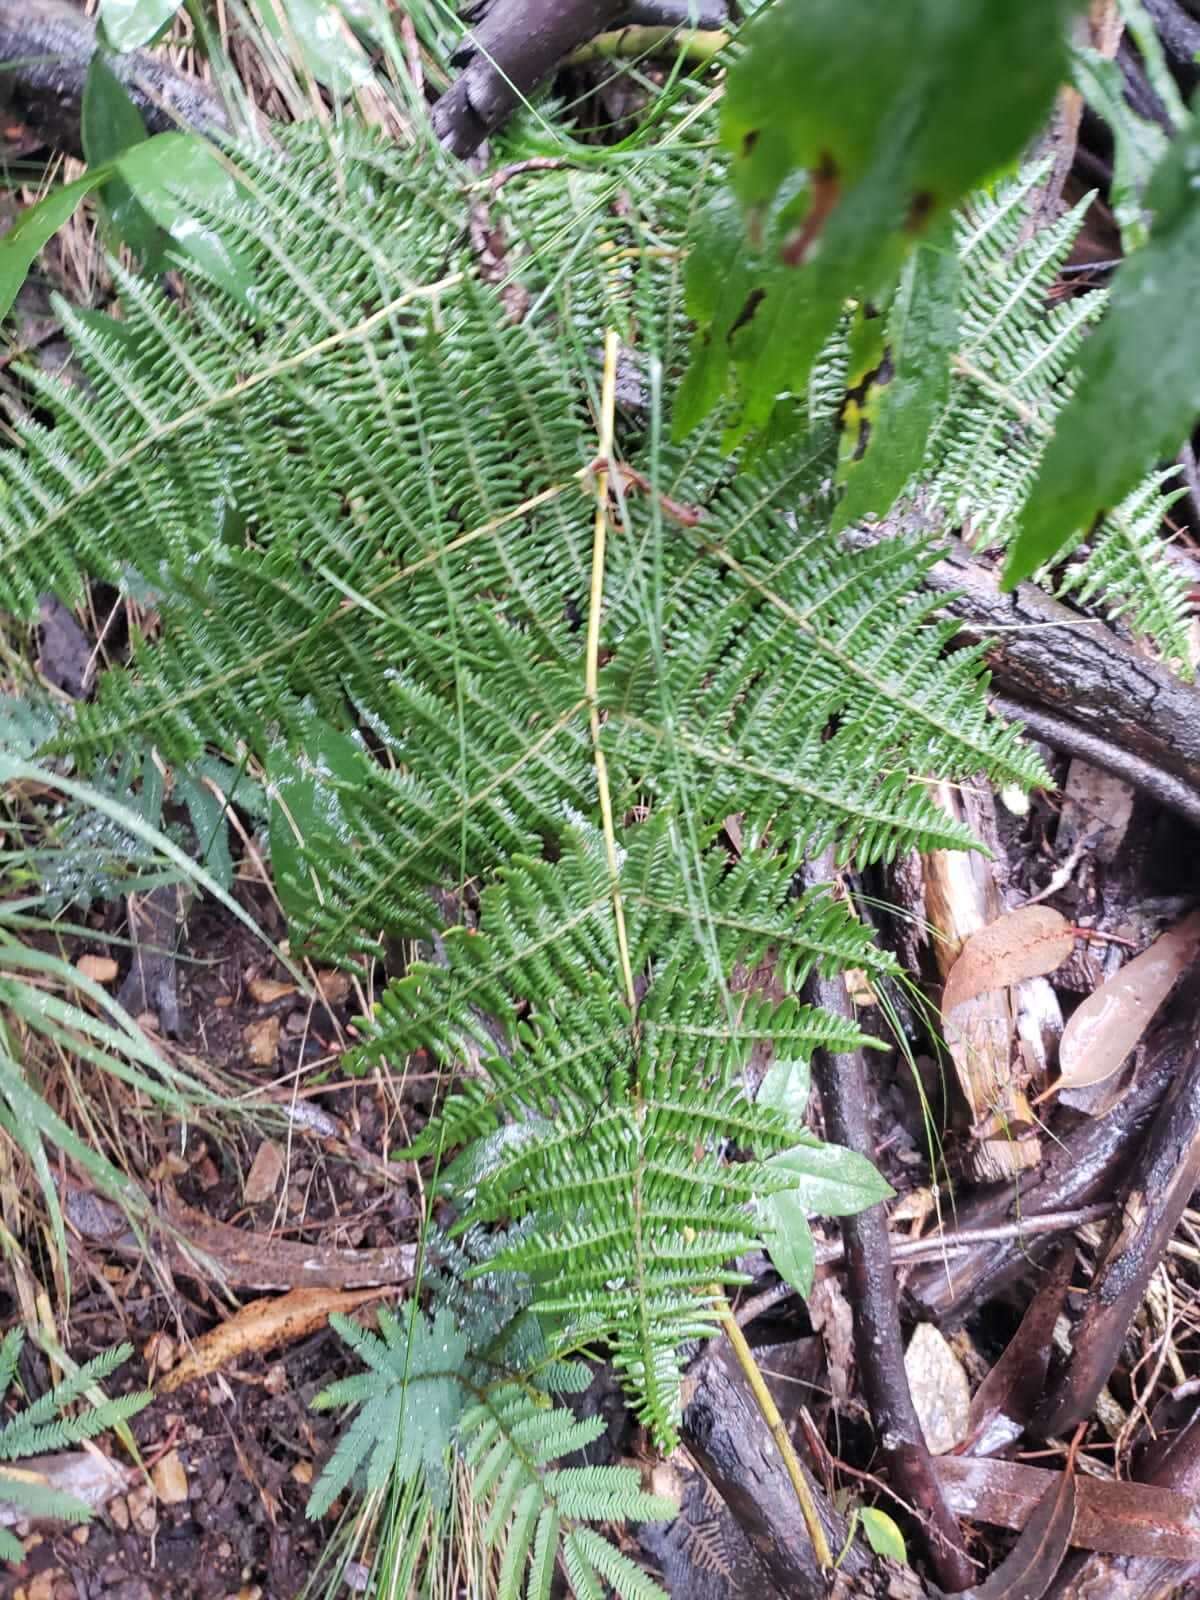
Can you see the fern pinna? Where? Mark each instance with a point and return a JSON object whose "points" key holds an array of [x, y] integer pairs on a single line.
{"points": [[366, 497]]}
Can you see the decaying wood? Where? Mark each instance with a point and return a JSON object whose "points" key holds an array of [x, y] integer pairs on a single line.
{"points": [[46, 47], [961, 896], [725, 1433], [1153, 1198], [263, 1325], [1143, 1577], [1111, 705], [196, 1246], [1043, 654], [1083, 1164]]}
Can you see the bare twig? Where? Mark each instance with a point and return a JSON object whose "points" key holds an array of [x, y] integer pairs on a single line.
{"points": [[505, 57], [1152, 1201], [842, 1080]]}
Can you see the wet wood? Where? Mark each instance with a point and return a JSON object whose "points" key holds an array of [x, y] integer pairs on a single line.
{"points": [[726, 1435], [1153, 1199], [1084, 1163], [1111, 1518]]}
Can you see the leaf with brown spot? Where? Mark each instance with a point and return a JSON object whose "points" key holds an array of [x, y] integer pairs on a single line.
{"points": [[1026, 943]]}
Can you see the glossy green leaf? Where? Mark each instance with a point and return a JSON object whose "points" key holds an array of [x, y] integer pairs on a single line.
{"points": [[908, 391], [789, 1239], [130, 23], [173, 172], [1139, 376], [883, 1534], [854, 127], [785, 1088], [34, 228], [110, 124], [830, 1181]]}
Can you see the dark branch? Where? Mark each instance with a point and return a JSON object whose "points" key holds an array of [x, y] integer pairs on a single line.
{"points": [[1081, 1166], [871, 1286], [45, 49], [506, 55]]}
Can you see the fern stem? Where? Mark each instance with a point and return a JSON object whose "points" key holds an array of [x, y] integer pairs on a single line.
{"points": [[770, 1414], [1000, 391], [608, 406]]}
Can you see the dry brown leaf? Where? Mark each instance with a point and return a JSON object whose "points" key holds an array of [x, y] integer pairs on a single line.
{"points": [[1113, 1018], [1007, 1398], [1120, 1519], [1026, 943], [170, 1479], [265, 1172], [939, 1387], [263, 990], [333, 985], [1033, 1562], [262, 1325], [262, 1041], [100, 969]]}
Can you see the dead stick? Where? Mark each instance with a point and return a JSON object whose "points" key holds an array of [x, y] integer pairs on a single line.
{"points": [[1083, 1165], [842, 1080], [1153, 1199]]}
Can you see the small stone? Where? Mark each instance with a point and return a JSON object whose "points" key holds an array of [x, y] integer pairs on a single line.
{"points": [[276, 1380], [265, 1172], [100, 969], [118, 1510], [143, 1513], [262, 1041], [302, 1472], [170, 1479]]}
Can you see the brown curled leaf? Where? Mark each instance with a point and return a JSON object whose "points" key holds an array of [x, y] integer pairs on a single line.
{"points": [[1031, 1565]]}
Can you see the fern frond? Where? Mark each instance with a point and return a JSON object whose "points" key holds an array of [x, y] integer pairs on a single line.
{"points": [[44, 1426], [1012, 377], [429, 1394], [367, 503]]}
